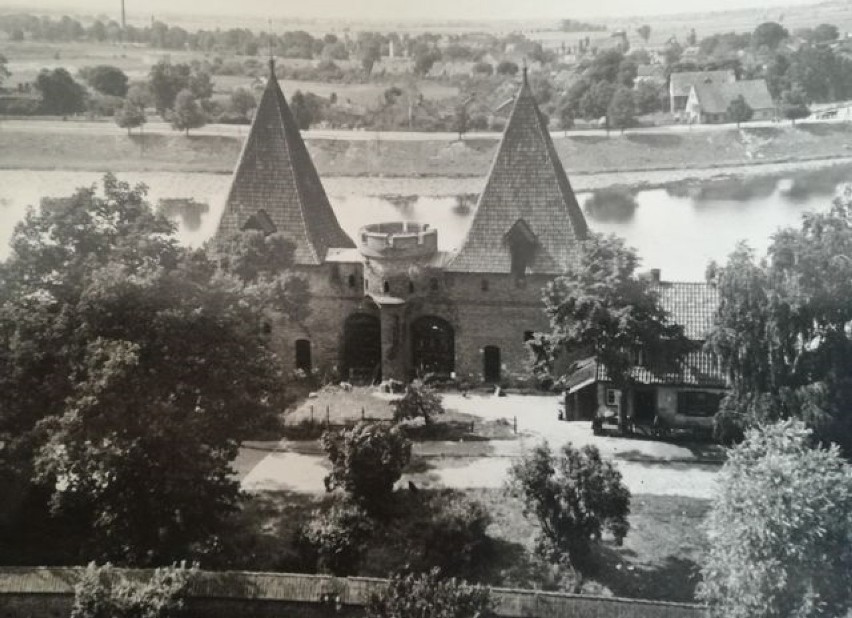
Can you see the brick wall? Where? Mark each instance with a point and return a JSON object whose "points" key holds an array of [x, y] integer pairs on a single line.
{"points": [[48, 593]]}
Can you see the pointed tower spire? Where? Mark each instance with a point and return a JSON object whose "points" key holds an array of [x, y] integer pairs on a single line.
{"points": [[528, 209], [276, 187]]}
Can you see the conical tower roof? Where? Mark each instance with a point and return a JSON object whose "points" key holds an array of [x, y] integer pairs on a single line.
{"points": [[276, 186], [527, 198]]}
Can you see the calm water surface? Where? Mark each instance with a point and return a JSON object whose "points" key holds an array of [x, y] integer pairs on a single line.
{"points": [[678, 230]]}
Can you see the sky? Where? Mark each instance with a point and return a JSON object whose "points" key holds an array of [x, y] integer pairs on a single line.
{"points": [[413, 9]]}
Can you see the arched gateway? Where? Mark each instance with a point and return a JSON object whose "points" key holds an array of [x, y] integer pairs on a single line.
{"points": [[433, 346], [362, 349]]}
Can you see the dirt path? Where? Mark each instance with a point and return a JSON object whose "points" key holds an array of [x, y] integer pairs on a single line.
{"points": [[648, 467]]}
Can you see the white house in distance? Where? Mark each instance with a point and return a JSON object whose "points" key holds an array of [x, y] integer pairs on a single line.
{"points": [[680, 85], [708, 102]]}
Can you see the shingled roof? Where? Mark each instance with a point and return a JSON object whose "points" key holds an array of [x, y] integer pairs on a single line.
{"points": [[276, 181], [682, 83], [526, 183], [715, 98]]}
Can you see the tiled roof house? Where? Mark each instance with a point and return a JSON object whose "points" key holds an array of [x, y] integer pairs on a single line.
{"points": [[276, 187], [708, 101], [680, 85]]}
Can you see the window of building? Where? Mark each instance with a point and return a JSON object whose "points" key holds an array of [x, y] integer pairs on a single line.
{"points": [[303, 355], [612, 396], [386, 287], [528, 335], [351, 280], [698, 403], [433, 284], [484, 285], [411, 287], [366, 285]]}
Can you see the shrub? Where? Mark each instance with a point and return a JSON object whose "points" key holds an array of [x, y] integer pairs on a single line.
{"points": [[450, 534], [574, 495], [611, 205], [366, 462], [779, 529], [103, 592], [419, 400], [338, 537], [429, 596]]}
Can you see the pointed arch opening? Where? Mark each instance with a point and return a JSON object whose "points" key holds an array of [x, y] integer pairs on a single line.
{"points": [[433, 346]]}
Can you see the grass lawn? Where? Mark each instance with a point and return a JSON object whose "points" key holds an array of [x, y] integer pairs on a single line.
{"points": [[659, 559]]}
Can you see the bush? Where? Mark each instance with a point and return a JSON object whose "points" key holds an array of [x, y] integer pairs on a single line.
{"points": [[338, 537], [419, 400], [450, 534], [574, 495], [366, 462], [429, 596], [103, 592], [611, 205], [779, 529]]}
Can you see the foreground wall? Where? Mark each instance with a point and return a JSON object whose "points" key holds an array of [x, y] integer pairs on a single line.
{"points": [[48, 593]]}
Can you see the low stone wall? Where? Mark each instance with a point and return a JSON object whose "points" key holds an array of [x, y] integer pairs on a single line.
{"points": [[49, 593]]}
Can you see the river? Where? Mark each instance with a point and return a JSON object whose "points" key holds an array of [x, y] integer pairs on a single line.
{"points": [[678, 229]]}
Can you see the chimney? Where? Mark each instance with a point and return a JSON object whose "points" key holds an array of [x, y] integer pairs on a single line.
{"points": [[655, 275]]}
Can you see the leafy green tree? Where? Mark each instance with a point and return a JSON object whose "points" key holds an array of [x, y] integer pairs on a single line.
{"points": [[132, 113], [644, 31], [601, 307], [779, 529], [110, 398], [739, 111], [595, 102], [366, 461], [4, 70], [825, 33], [429, 596], [338, 537], [781, 329], [621, 113], [769, 34], [60, 94], [107, 79], [106, 592], [649, 97], [574, 496], [307, 109], [507, 67], [418, 400], [566, 115], [187, 113], [243, 102], [167, 80], [425, 60], [794, 104]]}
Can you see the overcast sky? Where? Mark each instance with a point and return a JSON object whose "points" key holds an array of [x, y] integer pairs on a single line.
{"points": [[409, 9]]}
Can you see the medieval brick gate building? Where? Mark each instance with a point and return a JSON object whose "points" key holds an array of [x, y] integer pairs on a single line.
{"points": [[391, 304]]}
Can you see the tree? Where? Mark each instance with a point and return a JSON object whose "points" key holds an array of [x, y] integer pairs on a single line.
{"points": [[110, 399], [645, 32], [306, 108], [507, 67], [60, 94], [781, 328], [794, 104], [769, 34], [107, 80], [105, 591], [601, 308], [166, 80], [566, 115], [187, 114], [132, 113], [366, 461], [648, 97], [243, 102], [621, 113], [691, 38], [427, 595], [338, 537], [418, 400], [739, 111], [595, 101], [825, 33], [779, 529], [425, 60], [4, 71], [574, 496]]}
